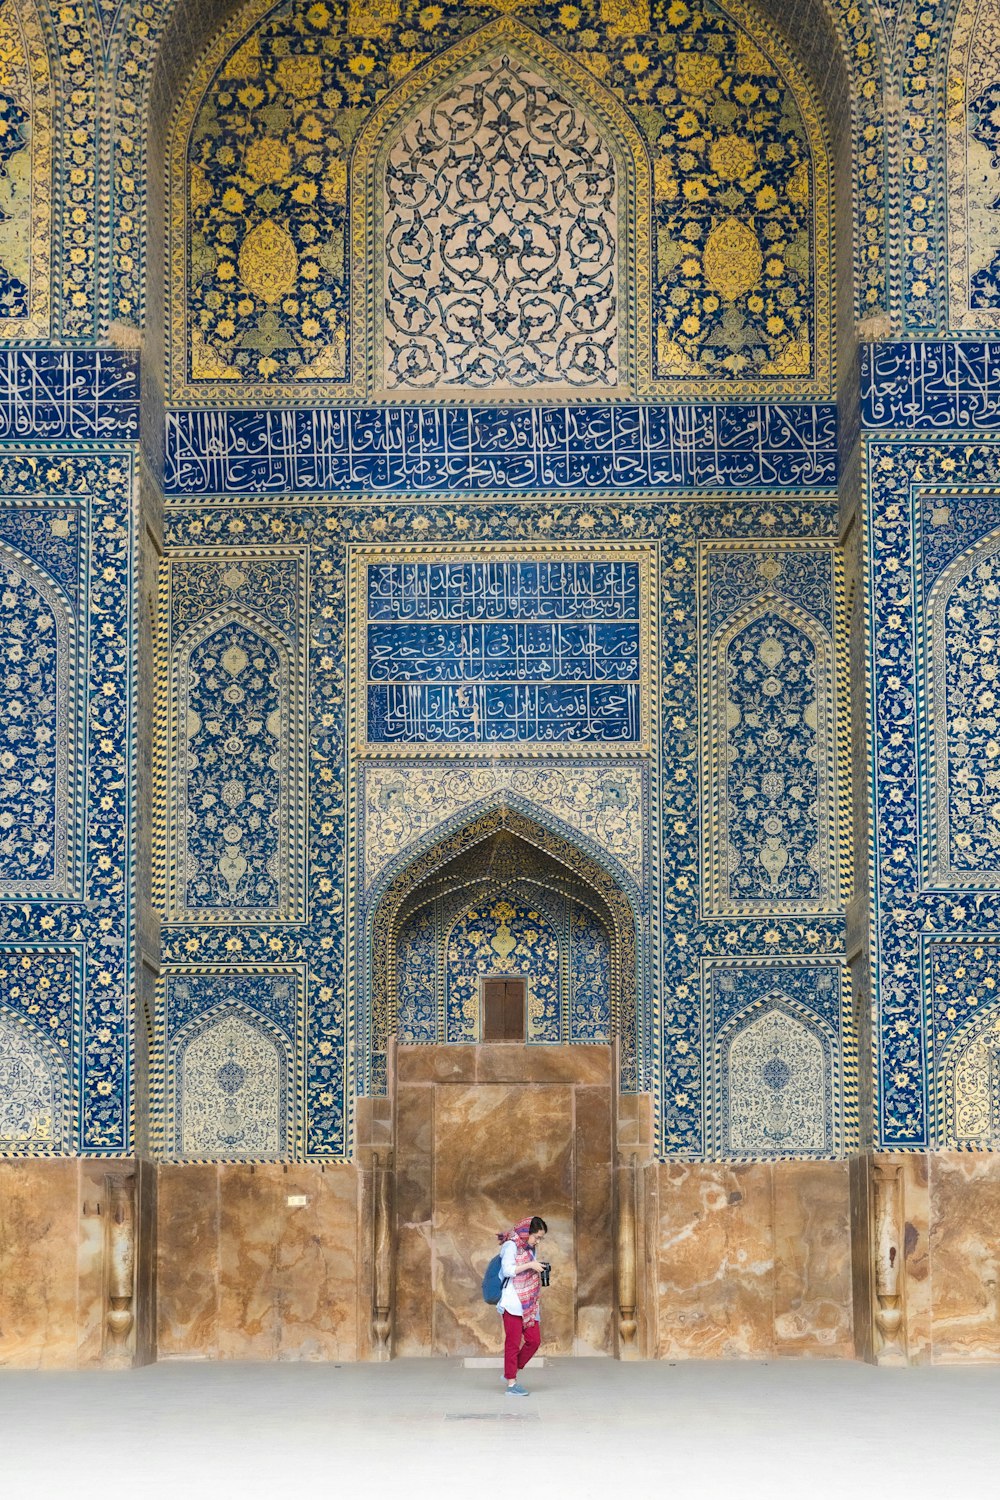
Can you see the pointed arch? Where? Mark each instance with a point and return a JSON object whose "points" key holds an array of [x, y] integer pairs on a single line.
{"points": [[972, 148], [34, 1090], [775, 1062], [773, 727], [27, 142], [588, 127], [379, 926], [963, 720], [233, 834], [229, 1074], [39, 734]]}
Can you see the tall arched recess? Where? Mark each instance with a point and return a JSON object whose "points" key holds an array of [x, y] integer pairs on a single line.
{"points": [[388, 906], [473, 1128]]}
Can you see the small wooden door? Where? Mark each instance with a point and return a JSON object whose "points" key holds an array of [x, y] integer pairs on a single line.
{"points": [[504, 1006]]}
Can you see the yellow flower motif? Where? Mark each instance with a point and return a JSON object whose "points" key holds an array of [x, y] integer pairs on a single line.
{"points": [[766, 198], [318, 15], [268, 159], [696, 72], [430, 17], [361, 65], [635, 63], [569, 17], [300, 76], [232, 201], [732, 157], [677, 13]]}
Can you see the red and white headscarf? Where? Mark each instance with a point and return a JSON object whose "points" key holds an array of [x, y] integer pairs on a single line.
{"points": [[527, 1284]]}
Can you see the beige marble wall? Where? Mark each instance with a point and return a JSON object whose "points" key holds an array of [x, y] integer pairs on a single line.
{"points": [[485, 1135], [245, 1273], [53, 1264], [950, 1230], [753, 1261]]}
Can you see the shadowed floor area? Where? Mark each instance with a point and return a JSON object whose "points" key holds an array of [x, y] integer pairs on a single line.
{"points": [[433, 1427]]}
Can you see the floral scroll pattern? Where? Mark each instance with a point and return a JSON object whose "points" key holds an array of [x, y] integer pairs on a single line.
{"points": [[235, 688], [501, 240], [590, 978], [776, 1087], [233, 1090], [732, 206], [771, 743], [772, 796], [965, 719], [504, 937], [36, 733], [236, 752], [31, 1092], [417, 970]]}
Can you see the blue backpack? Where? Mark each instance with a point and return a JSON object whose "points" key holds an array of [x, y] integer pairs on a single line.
{"points": [[493, 1282]]}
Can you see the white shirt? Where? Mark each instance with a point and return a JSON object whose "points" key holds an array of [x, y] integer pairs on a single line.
{"points": [[509, 1300]]}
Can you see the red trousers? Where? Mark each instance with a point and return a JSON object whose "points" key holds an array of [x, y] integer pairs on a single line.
{"points": [[520, 1342]]}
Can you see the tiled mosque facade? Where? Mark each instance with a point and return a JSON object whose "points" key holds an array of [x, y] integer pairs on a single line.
{"points": [[499, 490]]}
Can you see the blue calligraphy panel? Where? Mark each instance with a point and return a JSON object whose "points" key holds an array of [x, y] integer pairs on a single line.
{"points": [[494, 652]]}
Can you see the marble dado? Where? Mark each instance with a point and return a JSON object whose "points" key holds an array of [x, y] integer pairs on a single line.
{"points": [[949, 1209], [484, 1135], [752, 1261], [735, 1261]]}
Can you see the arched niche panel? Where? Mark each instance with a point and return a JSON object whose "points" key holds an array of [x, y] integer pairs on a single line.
{"points": [[389, 911], [590, 977], [229, 813], [693, 248], [963, 720], [34, 1092], [504, 935], [417, 1007], [973, 158], [776, 1083], [38, 734], [229, 1076], [772, 816], [26, 148]]}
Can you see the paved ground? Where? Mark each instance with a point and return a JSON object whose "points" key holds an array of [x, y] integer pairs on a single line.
{"points": [[415, 1428]]}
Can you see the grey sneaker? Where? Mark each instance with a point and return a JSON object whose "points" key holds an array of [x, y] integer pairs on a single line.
{"points": [[517, 1390]]}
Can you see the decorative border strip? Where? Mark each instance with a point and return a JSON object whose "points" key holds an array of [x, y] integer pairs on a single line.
{"points": [[913, 386], [68, 393], [482, 449]]}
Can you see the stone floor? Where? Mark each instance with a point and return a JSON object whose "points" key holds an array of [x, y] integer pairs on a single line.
{"points": [[590, 1427]]}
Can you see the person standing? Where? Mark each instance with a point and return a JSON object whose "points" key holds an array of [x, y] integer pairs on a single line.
{"points": [[519, 1300]]}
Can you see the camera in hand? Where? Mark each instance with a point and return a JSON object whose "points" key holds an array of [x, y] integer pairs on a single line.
{"points": [[546, 1266]]}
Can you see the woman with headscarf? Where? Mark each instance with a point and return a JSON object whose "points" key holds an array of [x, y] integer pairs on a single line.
{"points": [[520, 1297]]}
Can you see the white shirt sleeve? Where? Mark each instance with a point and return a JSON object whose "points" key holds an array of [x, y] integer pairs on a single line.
{"points": [[509, 1300]]}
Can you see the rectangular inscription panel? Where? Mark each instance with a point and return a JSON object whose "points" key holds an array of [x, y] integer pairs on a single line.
{"points": [[496, 651], [510, 650]]}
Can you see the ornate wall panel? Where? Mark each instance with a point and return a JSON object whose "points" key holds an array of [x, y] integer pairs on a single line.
{"points": [[504, 936], [26, 148], [418, 982], [231, 1045], [235, 630], [40, 707], [774, 764], [40, 1016], [404, 802], [589, 977], [501, 650], [67, 620], [778, 1058], [973, 156], [963, 718], [731, 228], [501, 241], [922, 528]]}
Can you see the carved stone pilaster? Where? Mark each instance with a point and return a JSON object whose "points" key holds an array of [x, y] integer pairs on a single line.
{"points": [[119, 1262], [382, 1248], [888, 1264], [626, 1256]]}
